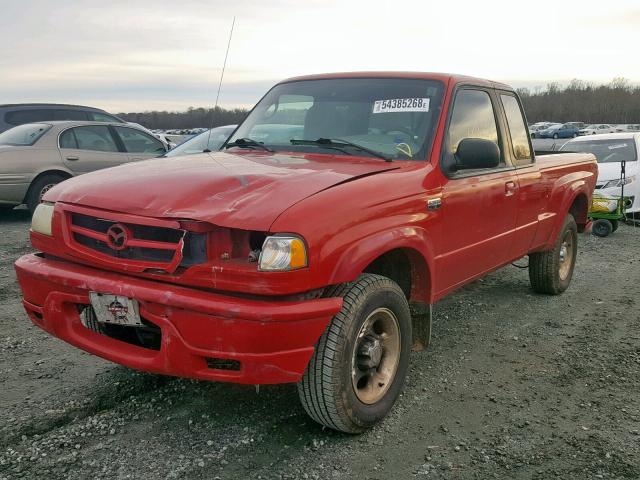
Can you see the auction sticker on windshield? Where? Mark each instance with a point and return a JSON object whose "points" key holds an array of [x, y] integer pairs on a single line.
{"points": [[401, 105]]}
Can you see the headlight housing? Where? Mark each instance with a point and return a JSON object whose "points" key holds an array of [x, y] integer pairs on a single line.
{"points": [[282, 253], [618, 182], [42, 218]]}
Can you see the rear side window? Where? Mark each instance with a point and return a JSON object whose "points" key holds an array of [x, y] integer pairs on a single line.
{"points": [[91, 137], [23, 135], [472, 117], [68, 139], [20, 117], [102, 117], [139, 142], [69, 114], [518, 129]]}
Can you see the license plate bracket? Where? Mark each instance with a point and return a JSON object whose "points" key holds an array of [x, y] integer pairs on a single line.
{"points": [[115, 309]]}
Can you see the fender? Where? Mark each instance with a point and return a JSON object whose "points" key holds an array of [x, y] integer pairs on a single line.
{"points": [[564, 193], [361, 253]]}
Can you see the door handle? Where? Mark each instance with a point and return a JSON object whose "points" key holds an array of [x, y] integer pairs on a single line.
{"points": [[510, 188], [73, 159]]}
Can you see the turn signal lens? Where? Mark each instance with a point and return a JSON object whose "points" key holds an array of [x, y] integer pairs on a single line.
{"points": [[282, 254], [42, 218]]}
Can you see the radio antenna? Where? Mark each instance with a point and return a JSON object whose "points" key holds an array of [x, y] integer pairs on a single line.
{"points": [[224, 66]]}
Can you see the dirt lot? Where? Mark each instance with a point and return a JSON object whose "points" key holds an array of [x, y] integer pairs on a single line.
{"points": [[515, 385]]}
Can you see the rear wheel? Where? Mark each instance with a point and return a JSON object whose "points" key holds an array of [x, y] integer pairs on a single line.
{"points": [[602, 227], [361, 360], [550, 272], [555, 135], [41, 186], [614, 225]]}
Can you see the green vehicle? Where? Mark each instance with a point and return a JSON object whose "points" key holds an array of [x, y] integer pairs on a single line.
{"points": [[607, 212]]}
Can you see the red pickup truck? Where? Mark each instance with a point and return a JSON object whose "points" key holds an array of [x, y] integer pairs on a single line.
{"points": [[312, 247]]}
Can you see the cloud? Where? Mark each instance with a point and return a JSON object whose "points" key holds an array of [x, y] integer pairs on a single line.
{"points": [[124, 55]]}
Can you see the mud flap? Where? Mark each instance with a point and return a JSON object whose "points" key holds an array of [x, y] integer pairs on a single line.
{"points": [[421, 316]]}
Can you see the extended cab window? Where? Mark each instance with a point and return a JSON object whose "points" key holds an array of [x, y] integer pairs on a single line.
{"points": [[92, 137], [472, 117], [139, 142], [518, 129]]}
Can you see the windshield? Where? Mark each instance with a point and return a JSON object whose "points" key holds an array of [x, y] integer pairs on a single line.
{"points": [[606, 151], [24, 135], [198, 144], [393, 117]]}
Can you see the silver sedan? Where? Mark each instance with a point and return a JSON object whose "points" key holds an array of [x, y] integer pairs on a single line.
{"points": [[36, 156]]}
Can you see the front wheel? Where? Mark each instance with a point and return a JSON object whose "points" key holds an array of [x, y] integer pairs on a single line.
{"points": [[550, 272], [361, 360]]}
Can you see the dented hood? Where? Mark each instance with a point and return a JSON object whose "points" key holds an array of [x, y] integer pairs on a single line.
{"points": [[247, 190]]}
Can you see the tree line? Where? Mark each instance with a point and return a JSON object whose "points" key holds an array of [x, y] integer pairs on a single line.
{"points": [[579, 101], [615, 102], [192, 118]]}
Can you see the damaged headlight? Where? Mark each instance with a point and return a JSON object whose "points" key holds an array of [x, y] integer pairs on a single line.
{"points": [[42, 218], [282, 253]]}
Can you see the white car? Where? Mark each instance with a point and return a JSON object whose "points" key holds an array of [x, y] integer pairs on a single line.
{"points": [[610, 150], [597, 128]]}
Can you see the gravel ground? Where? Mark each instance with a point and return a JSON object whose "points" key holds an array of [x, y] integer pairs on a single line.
{"points": [[514, 385]]}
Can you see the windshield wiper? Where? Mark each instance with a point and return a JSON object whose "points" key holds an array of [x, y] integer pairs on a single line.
{"points": [[247, 143], [337, 143]]}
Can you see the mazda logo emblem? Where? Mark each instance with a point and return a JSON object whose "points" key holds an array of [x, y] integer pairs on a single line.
{"points": [[117, 236]]}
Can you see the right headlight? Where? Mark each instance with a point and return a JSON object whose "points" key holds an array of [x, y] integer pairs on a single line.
{"points": [[42, 218], [282, 253]]}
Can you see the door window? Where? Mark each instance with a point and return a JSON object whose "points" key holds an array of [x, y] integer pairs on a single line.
{"points": [[136, 141], [472, 117], [518, 130], [20, 117], [91, 137]]}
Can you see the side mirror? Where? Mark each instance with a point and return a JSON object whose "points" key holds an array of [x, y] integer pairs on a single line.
{"points": [[475, 153]]}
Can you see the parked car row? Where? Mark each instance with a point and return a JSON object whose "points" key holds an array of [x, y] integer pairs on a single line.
{"points": [[574, 129]]}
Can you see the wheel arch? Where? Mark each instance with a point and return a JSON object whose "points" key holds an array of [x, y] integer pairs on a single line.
{"points": [[55, 171], [403, 255]]}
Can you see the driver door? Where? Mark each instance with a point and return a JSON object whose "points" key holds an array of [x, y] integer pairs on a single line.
{"points": [[478, 206]]}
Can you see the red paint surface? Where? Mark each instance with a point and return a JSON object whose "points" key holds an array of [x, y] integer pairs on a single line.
{"points": [[349, 210]]}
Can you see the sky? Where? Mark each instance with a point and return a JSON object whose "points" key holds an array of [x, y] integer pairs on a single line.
{"points": [[132, 56]]}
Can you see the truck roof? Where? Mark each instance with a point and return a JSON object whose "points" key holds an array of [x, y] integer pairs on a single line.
{"points": [[443, 77]]}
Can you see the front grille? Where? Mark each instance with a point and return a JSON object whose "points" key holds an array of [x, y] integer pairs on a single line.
{"points": [[153, 246]]}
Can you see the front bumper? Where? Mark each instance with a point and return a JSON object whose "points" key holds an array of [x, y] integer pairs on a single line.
{"points": [[272, 340]]}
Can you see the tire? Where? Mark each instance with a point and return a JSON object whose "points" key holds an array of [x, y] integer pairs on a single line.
{"points": [[333, 389], [602, 227], [555, 135], [614, 225], [574, 135], [548, 272], [41, 186], [533, 135]]}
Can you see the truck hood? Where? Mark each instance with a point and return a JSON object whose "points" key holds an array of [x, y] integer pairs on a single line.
{"points": [[246, 191], [611, 170]]}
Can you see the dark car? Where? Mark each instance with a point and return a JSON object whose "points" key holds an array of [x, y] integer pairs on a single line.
{"points": [[18, 114], [565, 130]]}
